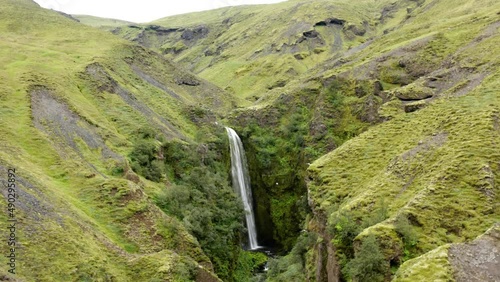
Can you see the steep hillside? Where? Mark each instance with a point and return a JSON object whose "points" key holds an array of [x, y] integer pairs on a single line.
{"points": [[416, 80], [371, 130], [82, 114], [251, 49], [423, 178]]}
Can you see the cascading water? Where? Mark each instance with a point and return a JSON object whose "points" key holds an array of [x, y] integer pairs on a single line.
{"points": [[241, 184]]}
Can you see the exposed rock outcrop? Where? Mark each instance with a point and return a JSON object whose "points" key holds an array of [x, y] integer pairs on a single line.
{"points": [[195, 33], [162, 30], [413, 92], [187, 80], [479, 260], [330, 21]]}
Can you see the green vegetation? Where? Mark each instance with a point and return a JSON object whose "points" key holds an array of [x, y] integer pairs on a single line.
{"points": [[82, 96], [346, 226], [408, 234], [248, 264], [102, 23], [369, 263], [201, 197], [144, 160], [292, 266], [433, 266], [125, 172]]}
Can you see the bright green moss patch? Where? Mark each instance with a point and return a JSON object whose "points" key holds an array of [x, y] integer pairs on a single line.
{"points": [[413, 92], [432, 266], [162, 266]]}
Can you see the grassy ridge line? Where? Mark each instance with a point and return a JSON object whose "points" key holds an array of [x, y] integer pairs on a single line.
{"points": [[207, 17], [253, 45], [100, 22], [245, 11]]}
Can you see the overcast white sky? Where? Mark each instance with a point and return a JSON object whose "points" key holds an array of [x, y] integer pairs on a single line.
{"points": [[140, 10]]}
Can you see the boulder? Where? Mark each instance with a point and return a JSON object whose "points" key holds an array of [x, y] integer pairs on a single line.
{"points": [[478, 260], [413, 92], [195, 33]]}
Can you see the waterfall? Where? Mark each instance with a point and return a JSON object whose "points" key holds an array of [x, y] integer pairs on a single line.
{"points": [[241, 184]]}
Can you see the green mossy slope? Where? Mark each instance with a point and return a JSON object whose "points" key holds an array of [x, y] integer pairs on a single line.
{"points": [[401, 96], [423, 85], [251, 49], [432, 164], [73, 102]]}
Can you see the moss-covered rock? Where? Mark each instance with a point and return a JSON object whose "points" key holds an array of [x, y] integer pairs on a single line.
{"points": [[389, 242], [413, 92], [475, 261], [391, 109], [432, 266]]}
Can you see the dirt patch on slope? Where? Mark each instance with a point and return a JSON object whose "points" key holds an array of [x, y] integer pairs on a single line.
{"points": [[155, 82], [142, 225], [63, 125], [108, 84], [34, 205]]}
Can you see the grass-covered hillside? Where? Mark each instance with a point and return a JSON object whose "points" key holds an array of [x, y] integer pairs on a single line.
{"points": [[249, 50], [422, 175], [103, 23], [101, 134], [371, 129], [405, 96]]}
